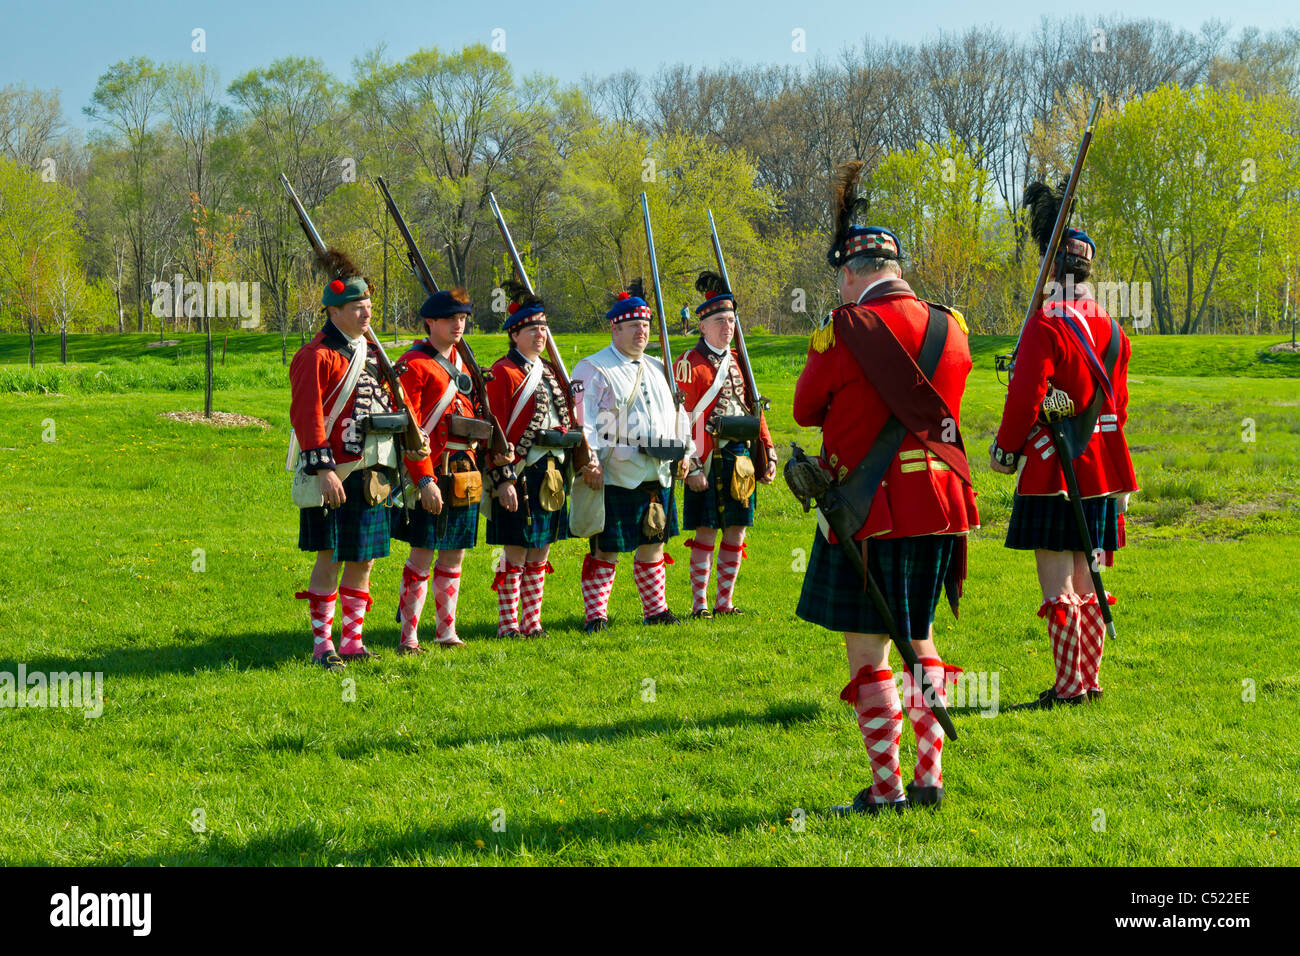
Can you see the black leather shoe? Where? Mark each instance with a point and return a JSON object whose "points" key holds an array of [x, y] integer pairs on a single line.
{"points": [[1094, 693], [596, 624], [728, 610], [330, 661], [918, 796], [405, 649], [703, 614], [513, 633], [663, 617], [1048, 699], [540, 632], [863, 803], [365, 654]]}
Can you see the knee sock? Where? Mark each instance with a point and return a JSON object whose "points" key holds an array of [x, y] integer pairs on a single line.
{"points": [[650, 579], [355, 605], [322, 620], [874, 697], [929, 735], [507, 587], [1064, 618], [415, 588], [597, 583], [729, 556], [446, 589], [701, 565], [532, 586], [1092, 642]]}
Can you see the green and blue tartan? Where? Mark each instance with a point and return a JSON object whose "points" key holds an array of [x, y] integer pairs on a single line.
{"points": [[909, 571], [355, 531], [700, 508], [625, 509], [540, 528], [1047, 523], [419, 529]]}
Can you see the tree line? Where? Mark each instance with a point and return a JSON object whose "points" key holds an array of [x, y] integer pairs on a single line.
{"points": [[1190, 192]]}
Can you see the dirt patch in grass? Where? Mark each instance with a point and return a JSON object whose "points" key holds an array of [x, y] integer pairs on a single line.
{"points": [[221, 419], [1285, 347]]}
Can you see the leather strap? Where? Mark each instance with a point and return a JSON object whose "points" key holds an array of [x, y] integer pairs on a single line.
{"points": [[1078, 430]]}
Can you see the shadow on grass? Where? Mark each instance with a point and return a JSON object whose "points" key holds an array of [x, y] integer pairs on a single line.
{"points": [[260, 650], [315, 844], [782, 714]]}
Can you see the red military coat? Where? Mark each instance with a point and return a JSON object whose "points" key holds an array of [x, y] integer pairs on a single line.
{"points": [[315, 375], [1050, 353], [919, 494], [694, 373], [508, 376], [425, 382]]}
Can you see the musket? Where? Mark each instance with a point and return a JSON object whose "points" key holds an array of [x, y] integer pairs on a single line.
{"points": [[761, 403], [581, 453], [664, 344], [500, 447], [415, 439], [1006, 363], [809, 484]]}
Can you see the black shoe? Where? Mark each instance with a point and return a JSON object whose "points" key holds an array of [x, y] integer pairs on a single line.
{"points": [[405, 649], [863, 803], [663, 617], [540, 632], [1048, 699], [365, 654], [513, 633], [330, 660], [728, 610], [703, 614], [596, 624], [918, 796], [1094, 693]]}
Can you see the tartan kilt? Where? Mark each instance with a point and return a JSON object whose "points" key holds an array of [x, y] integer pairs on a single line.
{"points": [[1047, 522], [537, 531], [355, 531], [625, 508], [910, 572], [700, 508], [419, 529]]}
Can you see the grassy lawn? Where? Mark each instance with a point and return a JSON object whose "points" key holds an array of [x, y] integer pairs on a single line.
{"points": [[164, 555]]}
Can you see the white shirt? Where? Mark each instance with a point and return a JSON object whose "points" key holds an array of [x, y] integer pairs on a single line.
{"points": [[615, 432]]}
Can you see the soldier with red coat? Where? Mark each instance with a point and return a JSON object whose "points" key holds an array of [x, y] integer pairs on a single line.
{"points": [[1076, 353], [445, 522], [336, 392], [884, 382], [720, 492], [530, 508]]}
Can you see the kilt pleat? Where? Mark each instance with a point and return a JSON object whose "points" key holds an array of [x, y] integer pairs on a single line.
{"points": [[537, 530], [355, 531], [910, 572], [625, 509], [700, 508], [1047, 522], [419, 529]]}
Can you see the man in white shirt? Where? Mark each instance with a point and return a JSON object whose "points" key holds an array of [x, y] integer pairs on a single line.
{"points": [[638, 437]]}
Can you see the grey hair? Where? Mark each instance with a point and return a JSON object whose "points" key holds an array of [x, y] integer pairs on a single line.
{"points": [[867, 266]]}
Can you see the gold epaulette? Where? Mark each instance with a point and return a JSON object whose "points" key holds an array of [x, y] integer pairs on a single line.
{"points": [[824, 337], [961, 319], [682, 370]]}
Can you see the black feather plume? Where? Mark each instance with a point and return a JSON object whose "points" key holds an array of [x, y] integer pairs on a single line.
{"points": [[710, 284], [637, 288], [518, 293], [1044, 204], [847, 207], [336, 264]]}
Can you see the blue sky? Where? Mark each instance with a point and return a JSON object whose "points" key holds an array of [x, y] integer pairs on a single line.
{"points": [[68, 43]]}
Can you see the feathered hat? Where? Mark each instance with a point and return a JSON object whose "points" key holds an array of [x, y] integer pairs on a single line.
{"points": [[717, 297], [524, 309], [629, 305], [1044, 204], [848, 212], [344, 282]]}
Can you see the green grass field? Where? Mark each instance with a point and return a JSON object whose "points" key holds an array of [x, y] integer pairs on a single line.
{"points": [[554, 751]]}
